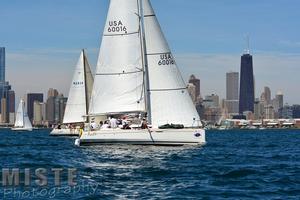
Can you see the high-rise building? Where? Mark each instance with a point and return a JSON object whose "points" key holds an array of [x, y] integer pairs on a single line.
{"points": [[52, 93], [50, 110], [55, 108], [4, 89], [269, 112], [267, 95], [258, 110], [31, 98], [2, 64], [192, 91], [246, 100], [232, 92], [4, 111], [279, 100], [214, 99], [196, 82], [296, 111], [11, 106], [60, 105], [286, 112], [39, 113]]}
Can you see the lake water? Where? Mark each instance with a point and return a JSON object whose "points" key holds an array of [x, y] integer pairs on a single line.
{"points": [[236, 164]]}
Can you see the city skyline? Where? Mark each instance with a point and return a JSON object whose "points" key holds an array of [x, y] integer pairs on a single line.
{"points": [[48, 45]]}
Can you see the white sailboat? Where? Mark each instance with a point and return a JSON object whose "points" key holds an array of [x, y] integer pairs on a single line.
{"points": [[22, 122], [137, 73], [78, 100]]}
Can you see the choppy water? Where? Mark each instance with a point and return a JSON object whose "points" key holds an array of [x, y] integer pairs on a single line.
{"points": [[262, 164]]}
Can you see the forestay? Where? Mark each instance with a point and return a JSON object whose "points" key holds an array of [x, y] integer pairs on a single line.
{"points": [[169, 98], [118, 86]]}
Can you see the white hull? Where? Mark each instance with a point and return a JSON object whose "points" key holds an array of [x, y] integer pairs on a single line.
{"points": [[65, 132], [144, 137], [21, 129]]}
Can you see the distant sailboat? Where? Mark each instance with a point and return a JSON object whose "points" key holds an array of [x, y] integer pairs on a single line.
{"points": [[137, 73], [22, 122], [79, 97]]}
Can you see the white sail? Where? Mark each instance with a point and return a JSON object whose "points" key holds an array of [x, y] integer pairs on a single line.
{"points": [[19, 122], [27, 123], [80, 91], [169, 98], [118, 86]]}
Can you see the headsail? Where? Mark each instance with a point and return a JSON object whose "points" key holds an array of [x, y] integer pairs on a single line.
{"points": [[169, 98], [27, 123], [80, 91], [118, 86], [19, 115]]}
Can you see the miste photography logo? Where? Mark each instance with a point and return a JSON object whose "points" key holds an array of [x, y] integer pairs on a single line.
{"points": [[43, 183]]}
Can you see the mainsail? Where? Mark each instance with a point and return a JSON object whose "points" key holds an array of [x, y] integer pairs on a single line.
{"points": [[169, 98], [20, 115], [80, 92], [22, 119], [118, 86]]}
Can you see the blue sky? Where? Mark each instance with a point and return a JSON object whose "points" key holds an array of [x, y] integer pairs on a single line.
{"points": [[44, 38]]}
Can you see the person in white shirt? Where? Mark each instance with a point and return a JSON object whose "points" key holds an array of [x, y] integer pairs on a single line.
{"points": [[113, 122], [105, 125]]}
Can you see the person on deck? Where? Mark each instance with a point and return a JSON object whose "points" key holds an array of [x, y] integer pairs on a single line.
{"points": [[144, 124], [113, 122]]}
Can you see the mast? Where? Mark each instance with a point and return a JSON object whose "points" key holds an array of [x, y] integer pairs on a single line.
{"points": [[23, 112], [85, 87], [144, 61]]}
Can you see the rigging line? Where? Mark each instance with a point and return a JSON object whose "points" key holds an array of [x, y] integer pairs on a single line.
{"points": [[121, 34], [121, 73], [150, 134], [158, 90]]}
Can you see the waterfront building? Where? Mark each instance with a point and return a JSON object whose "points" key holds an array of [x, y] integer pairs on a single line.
{"points": [[196, 82], [38, 113], [278, 101], [11, 106], [55, 108], [31, 98], [4, 111], [258, 109], [232, 92], [214, 100], [192, 91], [286, 112], [296, 111], [269, 112], [246, 100], [60, 105]]}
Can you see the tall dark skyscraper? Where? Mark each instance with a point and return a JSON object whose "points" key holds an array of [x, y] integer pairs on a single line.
{"points": [[246, 101], [4, 89], [2, 64], [31, 98]]}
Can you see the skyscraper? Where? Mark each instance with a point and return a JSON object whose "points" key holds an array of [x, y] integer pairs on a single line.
{"points": [[4, 89], [31, 98], [267, 93], [232, 92], [192, 91], [246, 101], [196, 83]]}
